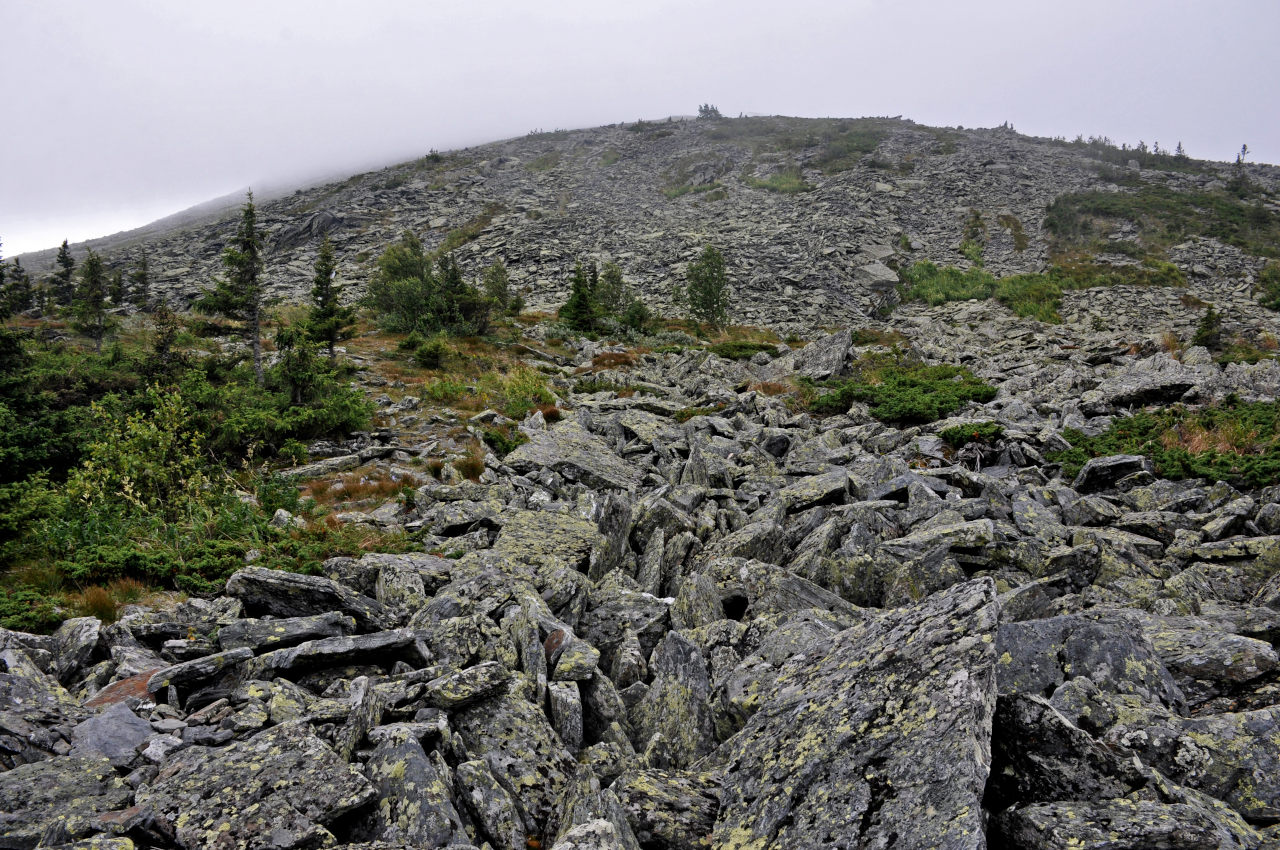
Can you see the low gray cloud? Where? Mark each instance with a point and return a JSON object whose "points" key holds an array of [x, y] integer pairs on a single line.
{"points": [[118, 113]]}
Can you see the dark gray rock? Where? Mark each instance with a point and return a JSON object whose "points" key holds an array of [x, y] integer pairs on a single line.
{"points": [[115, 732], [265, 635], [1101, 473], [279, 788], [64, 797], [379, 647], [859, 736], [284, 594]]}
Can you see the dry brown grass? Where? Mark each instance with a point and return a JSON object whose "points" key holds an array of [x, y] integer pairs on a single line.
{"points": [[1227, 438], [770, 388], [1171, 343], [105, 602], [471, 465], [357, 486], [551, 413]]}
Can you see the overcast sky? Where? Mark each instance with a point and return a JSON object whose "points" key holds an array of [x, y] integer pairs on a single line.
{"points": [[117, 113]]}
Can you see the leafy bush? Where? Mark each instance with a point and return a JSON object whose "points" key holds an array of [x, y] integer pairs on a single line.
{"points": [[906, 393], [1234, 441]]}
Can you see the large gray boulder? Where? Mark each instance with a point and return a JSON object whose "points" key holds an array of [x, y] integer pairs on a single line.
{"points": [[571, 451], [870, 730], [277, 789]]}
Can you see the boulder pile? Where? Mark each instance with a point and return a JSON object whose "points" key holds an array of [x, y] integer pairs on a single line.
{"points": [[691, 616]]}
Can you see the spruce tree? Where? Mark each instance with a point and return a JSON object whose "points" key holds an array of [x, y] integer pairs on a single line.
{"points": [[238, 295], [18, 292], [140, 284], [116, 289], [63, 286], [579, 312], [329, 321], [90, 304]]}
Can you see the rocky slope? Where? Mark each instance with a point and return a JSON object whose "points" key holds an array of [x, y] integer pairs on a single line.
{"points": [[650, 195], [749, 629]]}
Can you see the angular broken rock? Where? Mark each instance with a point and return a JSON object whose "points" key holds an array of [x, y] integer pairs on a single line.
{"points": [[463, 687], [415, 804], [262, 635], [868, 731], [573, 452], [192, 672], [330, 652], [64, 796], [277, 789], [284, 594]]}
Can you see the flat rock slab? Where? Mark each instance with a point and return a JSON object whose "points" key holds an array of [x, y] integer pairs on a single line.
{"points": [[1122, 825], [330, 652], [115, 732], [260, 635], [869, 731], [65, 795], [284, 594], [198, 670], [277, 789], [570, 450]]}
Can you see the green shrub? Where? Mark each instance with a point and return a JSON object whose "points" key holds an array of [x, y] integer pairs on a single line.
{"points": [[432, 353], [788, 181], [1234, 441], [1209, 330], [503, 440], [1269, 286], [906, 393], [1164, 217], [977, 432], [741, 349], [1036, 296], [687, 413]]}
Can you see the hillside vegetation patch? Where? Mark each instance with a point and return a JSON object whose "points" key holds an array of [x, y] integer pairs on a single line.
{"points": [[1235, 441], [1037, 295]]}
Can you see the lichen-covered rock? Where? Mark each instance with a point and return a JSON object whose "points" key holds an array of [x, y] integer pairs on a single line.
{"points": [[63, 796], [491, 804], [515, 738], [463, 687], [670, 809], [888, 719], [265, 635], [569, 450], [284, 594], [677, 703], [73, 645], [279, 788], [193, 672], [1108, 647], [331, 652], [545, 539], [596, 834], [1122, 824], [415, 805]]}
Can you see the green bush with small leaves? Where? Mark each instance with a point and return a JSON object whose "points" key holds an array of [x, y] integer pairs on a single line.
{"points": [[906, 393]]}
